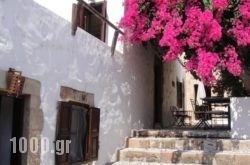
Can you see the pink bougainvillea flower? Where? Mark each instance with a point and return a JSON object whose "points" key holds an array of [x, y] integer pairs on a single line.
{"points": [[232, 63], [206, 64], [244, 9], [209, 36], [241, 26], [201, 28], [241, 32], [220, 4], [192, 64]]}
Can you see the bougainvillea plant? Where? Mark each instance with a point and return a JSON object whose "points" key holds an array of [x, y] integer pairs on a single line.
{"points": [[214, 34]]}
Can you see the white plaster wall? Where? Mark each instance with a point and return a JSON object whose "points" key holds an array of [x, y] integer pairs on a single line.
{"points": [[172, 71], [38, 42], [240, 117]]}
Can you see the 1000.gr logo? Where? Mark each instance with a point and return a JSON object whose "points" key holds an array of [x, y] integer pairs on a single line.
{"points": [[61, 146]]}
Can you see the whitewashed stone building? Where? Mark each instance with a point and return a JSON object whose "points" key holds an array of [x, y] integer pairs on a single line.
{"points": [[36, 39]]}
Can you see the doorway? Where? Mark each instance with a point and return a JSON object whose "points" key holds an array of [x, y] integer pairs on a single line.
{"points": [[11, 125], [158, 93]]}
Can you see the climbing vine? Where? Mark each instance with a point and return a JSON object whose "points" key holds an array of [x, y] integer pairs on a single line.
{"points": [[212, 35]]}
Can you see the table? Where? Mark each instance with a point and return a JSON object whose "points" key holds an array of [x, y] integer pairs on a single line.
{"points": [[214, 112], [206, 115], [216, 99]]}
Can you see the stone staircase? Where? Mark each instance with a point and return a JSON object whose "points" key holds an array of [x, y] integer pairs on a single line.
{"points": [[165, 147]]}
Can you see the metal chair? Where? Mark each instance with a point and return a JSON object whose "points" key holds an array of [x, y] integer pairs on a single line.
{"points": [[180, 116], [202, 116]]}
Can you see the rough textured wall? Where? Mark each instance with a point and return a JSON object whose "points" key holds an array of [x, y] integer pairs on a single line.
{"points": [[240, 117], [190, 94], [38, 42], [172, 72]]}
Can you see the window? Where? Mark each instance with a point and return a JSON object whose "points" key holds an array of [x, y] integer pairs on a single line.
{"points": [[78, 123], [179, 94], [86, 20]]}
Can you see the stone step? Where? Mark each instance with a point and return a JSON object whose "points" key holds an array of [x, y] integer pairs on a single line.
{"points": [[189, 143], [183, 156], [148, 163], [224, 134]]}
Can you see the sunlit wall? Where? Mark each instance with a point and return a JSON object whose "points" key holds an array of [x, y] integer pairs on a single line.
{"points": [[35, 38]]}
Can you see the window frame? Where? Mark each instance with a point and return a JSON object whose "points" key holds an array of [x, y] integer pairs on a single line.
{"points": [[63, 127], [179, 94]]}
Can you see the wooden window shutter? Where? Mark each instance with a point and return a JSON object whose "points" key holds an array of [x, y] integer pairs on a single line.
{"points": [[74, 19], [63, 129], [103, 28], [78, 17], [82, 18], [93, 134]]}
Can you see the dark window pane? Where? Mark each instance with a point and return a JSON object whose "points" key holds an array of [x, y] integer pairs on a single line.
{"points": [[6, 119], [78, 133], [179, 94]]}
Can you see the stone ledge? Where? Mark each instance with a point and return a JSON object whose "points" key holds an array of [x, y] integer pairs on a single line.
{"points": [[188, 143], [182, 133], [146, 163], [183, 156]]}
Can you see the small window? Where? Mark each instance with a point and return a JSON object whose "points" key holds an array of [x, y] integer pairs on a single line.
{"points": [[86, 20], [79, 124], [179, 94]]}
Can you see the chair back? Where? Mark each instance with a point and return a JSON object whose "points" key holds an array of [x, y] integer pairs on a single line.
{"points": [[174, 110], [193, 104], [201, 108]]}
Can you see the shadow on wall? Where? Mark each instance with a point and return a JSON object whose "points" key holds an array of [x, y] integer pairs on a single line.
{"points": [[240, 117], [127, 102], [46, 51]]}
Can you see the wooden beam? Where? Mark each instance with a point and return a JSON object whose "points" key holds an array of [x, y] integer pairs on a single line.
{"points": [[114, 41]]}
